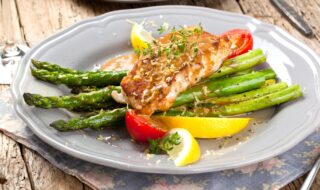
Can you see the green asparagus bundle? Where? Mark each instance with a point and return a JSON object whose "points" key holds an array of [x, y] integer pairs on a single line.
{"points": [[96, 122], [106, 118], [219, 87], [224, 87], [240, 63], [234, 89], [247, 95], [83, 101], [272, 99], [99, 99], [269, 100], [58, 75]]}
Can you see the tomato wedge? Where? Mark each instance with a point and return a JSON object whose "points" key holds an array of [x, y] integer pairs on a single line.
{"points": [[141, 128], [243, 41]]}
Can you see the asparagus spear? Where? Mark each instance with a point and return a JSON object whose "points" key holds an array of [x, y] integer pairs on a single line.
{"points": [[52, 67], [248, 95], [85, 79], [270, 82], [244, 72], [109, 105], [83, 89], [273, 99], [224, 87], [99, 121], [96, 99], [239, 63], [276, 98]]}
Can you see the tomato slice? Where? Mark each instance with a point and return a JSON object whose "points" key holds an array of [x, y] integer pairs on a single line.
{"points": [[141, 128], [243, 41]]}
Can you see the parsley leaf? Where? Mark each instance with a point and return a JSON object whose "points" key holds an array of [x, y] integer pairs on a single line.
{"points": [[154, 146], [159, 146], [161, 30]]}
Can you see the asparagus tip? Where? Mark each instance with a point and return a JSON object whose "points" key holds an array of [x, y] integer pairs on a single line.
{"points": [[28, 98], [59, 125], [35, 62], [33, 71]]}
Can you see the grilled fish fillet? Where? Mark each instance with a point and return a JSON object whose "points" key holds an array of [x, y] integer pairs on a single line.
{"points": [[172, 64]]}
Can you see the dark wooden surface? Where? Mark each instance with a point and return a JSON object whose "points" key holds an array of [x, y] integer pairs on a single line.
{"points": [[30, 21]]}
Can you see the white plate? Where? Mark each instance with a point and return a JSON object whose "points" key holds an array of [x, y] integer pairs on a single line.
{"points": [[95, 40]]}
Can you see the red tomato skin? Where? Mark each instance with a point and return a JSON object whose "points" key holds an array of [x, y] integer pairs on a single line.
{"points": [[242, 36], [140, 129]]}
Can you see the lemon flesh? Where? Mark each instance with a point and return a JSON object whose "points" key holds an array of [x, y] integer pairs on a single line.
{"points": [[206, 127], [140, 38], [187, 152]]}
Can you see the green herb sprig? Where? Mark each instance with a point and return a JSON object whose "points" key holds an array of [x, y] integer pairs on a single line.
{"points": [[178, 43], [161, 30], [166, 144]]}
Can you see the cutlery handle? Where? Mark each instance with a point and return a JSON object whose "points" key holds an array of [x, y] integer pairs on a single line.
{"points": [[311, 176], [293, 17]]}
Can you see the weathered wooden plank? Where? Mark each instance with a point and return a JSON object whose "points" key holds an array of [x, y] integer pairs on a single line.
{"points": [[48, 17], [43, 175], [13, 172], [226, 5], [9, 22], [264, 10], [3, 87], [51, 16], [316, 184], [295, 185], [87, 187]]}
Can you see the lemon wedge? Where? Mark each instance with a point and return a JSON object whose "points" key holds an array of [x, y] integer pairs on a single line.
{"points": [[187, 152], [206, 127], [139, 36]]}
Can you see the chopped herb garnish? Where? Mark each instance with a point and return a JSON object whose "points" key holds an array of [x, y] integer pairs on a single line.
{"points": [[178, 45], [159, 146], [154, 146], [173, 29], [170, 141], [198, 29], [162, 29], [137, 51]]}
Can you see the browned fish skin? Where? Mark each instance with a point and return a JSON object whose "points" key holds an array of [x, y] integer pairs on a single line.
{"points": [[164, 71]]}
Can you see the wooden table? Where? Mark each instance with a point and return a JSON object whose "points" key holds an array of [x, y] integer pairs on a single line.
{"points": [[30, 21]]}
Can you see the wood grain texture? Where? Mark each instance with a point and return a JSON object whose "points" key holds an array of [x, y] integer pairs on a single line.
{"points": [[3, 87], [13, 172], [9, 22], [226, 5], [48, 17], [265, 11], [43, 175], [316, 184]]}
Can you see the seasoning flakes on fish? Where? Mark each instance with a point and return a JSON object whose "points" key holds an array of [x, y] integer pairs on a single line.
{"points": [[172, 64]]}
